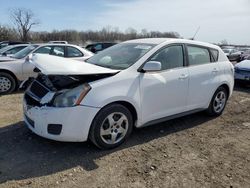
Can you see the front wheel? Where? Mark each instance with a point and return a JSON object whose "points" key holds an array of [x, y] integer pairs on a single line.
{"points": [[111, 126], [7, 83], [218, 102]]}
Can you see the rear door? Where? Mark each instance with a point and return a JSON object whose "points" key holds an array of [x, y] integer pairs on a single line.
{"points": [[203, 76]]}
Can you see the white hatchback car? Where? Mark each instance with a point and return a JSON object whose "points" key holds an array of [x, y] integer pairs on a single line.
{"points": [[132, 84]]}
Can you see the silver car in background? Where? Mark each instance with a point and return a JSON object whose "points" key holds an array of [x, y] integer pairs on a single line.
{"points": [[12, 49], [17, 68]]}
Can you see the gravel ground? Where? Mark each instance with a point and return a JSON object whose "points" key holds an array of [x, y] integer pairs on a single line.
{"points": [[193, 151]]}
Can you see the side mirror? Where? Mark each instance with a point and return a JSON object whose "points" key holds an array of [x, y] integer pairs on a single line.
{"points": [[151, 66], [4, 54], [28, 58]]}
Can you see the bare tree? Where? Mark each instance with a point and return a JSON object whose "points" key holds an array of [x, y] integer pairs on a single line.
{"points": [[24, 20]]}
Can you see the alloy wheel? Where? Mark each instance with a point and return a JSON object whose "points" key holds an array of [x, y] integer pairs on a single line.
{"points": [[5, 84], [219, 102], [114, 128]]}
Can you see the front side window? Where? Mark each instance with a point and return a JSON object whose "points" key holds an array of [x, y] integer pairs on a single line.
{"points": [[73, 52], [43, 50], [170, 57], [198, 55], [120, 56]]}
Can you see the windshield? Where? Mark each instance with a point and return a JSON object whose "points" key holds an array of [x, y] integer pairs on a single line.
{"points": [[24, 52], [120, 56], [5, 49], [226, 50]]}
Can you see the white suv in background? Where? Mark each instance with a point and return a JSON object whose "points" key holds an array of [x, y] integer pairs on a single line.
{"points": [[132, 84]]}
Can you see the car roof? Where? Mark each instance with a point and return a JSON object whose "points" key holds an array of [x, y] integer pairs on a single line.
{"points": [[158, 41], [54, 44]]}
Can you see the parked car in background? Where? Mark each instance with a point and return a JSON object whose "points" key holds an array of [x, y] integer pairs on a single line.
{"points": [[12, 49], [233, 54], [18, 68], [58, 42], [246, 55], [242, 71], [7, 43], [132, 84], [97, 47]]}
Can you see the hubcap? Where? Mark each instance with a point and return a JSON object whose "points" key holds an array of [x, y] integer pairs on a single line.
{"points": [[114, 128], [5, 84], [219, 102]]}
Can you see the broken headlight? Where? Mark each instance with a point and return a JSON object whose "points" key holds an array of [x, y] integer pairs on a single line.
{"points": [[72, 97]]}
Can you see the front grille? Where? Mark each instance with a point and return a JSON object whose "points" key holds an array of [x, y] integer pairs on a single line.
{"points": [[38, 89], [30, 121], [31, 101]]}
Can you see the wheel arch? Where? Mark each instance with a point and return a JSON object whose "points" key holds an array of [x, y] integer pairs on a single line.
{"points": [[224, 85], [128, 105]]}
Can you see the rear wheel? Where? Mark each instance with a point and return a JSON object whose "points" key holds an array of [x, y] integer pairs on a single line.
{"points": [[111, 126], [7, 83], [218, 102]]}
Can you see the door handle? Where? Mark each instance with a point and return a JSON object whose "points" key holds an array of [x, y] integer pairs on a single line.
{"points": [[215, 70], [183, 76]]}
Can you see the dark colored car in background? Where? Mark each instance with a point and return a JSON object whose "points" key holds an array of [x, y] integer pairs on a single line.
{"points": [[96, 47], [233, 54], [246, 55], [242, 72]]}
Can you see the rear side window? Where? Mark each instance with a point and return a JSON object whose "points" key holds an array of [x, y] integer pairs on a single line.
{"points": [[215, 54], [73, 52], [198, 55], [58, 51]]}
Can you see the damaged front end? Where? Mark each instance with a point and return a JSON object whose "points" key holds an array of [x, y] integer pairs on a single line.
{"points": [[59, 90]]}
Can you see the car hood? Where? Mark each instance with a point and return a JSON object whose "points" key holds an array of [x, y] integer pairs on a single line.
{"points": [[6, 58], [53, 65], [243, 64]]}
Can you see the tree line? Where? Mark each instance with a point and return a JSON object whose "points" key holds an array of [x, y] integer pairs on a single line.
{"points": [[24, 19], [81, 37]]}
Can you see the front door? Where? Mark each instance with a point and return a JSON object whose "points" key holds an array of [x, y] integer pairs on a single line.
{"points": [[164, 93]]}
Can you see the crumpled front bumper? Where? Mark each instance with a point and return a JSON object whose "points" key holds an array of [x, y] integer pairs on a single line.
{"points": [[75, 121]]}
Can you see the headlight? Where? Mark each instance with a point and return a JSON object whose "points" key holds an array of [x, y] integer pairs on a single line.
{"points": [[72, 97]]}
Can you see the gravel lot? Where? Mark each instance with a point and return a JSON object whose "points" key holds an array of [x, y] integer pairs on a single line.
{"points": [[193, 151]]}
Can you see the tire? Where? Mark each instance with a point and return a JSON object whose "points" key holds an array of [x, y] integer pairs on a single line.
{"points": [[218, 102], [111, 126], [7, 83]]}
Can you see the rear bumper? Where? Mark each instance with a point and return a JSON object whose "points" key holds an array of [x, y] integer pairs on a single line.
{"points": [[242, 77], [75, 122]]}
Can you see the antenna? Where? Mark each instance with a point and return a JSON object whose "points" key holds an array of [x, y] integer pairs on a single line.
{"points": [[198, 29]]}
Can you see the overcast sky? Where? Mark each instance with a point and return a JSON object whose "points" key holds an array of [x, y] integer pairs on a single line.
{"points": [[218, 19]]}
